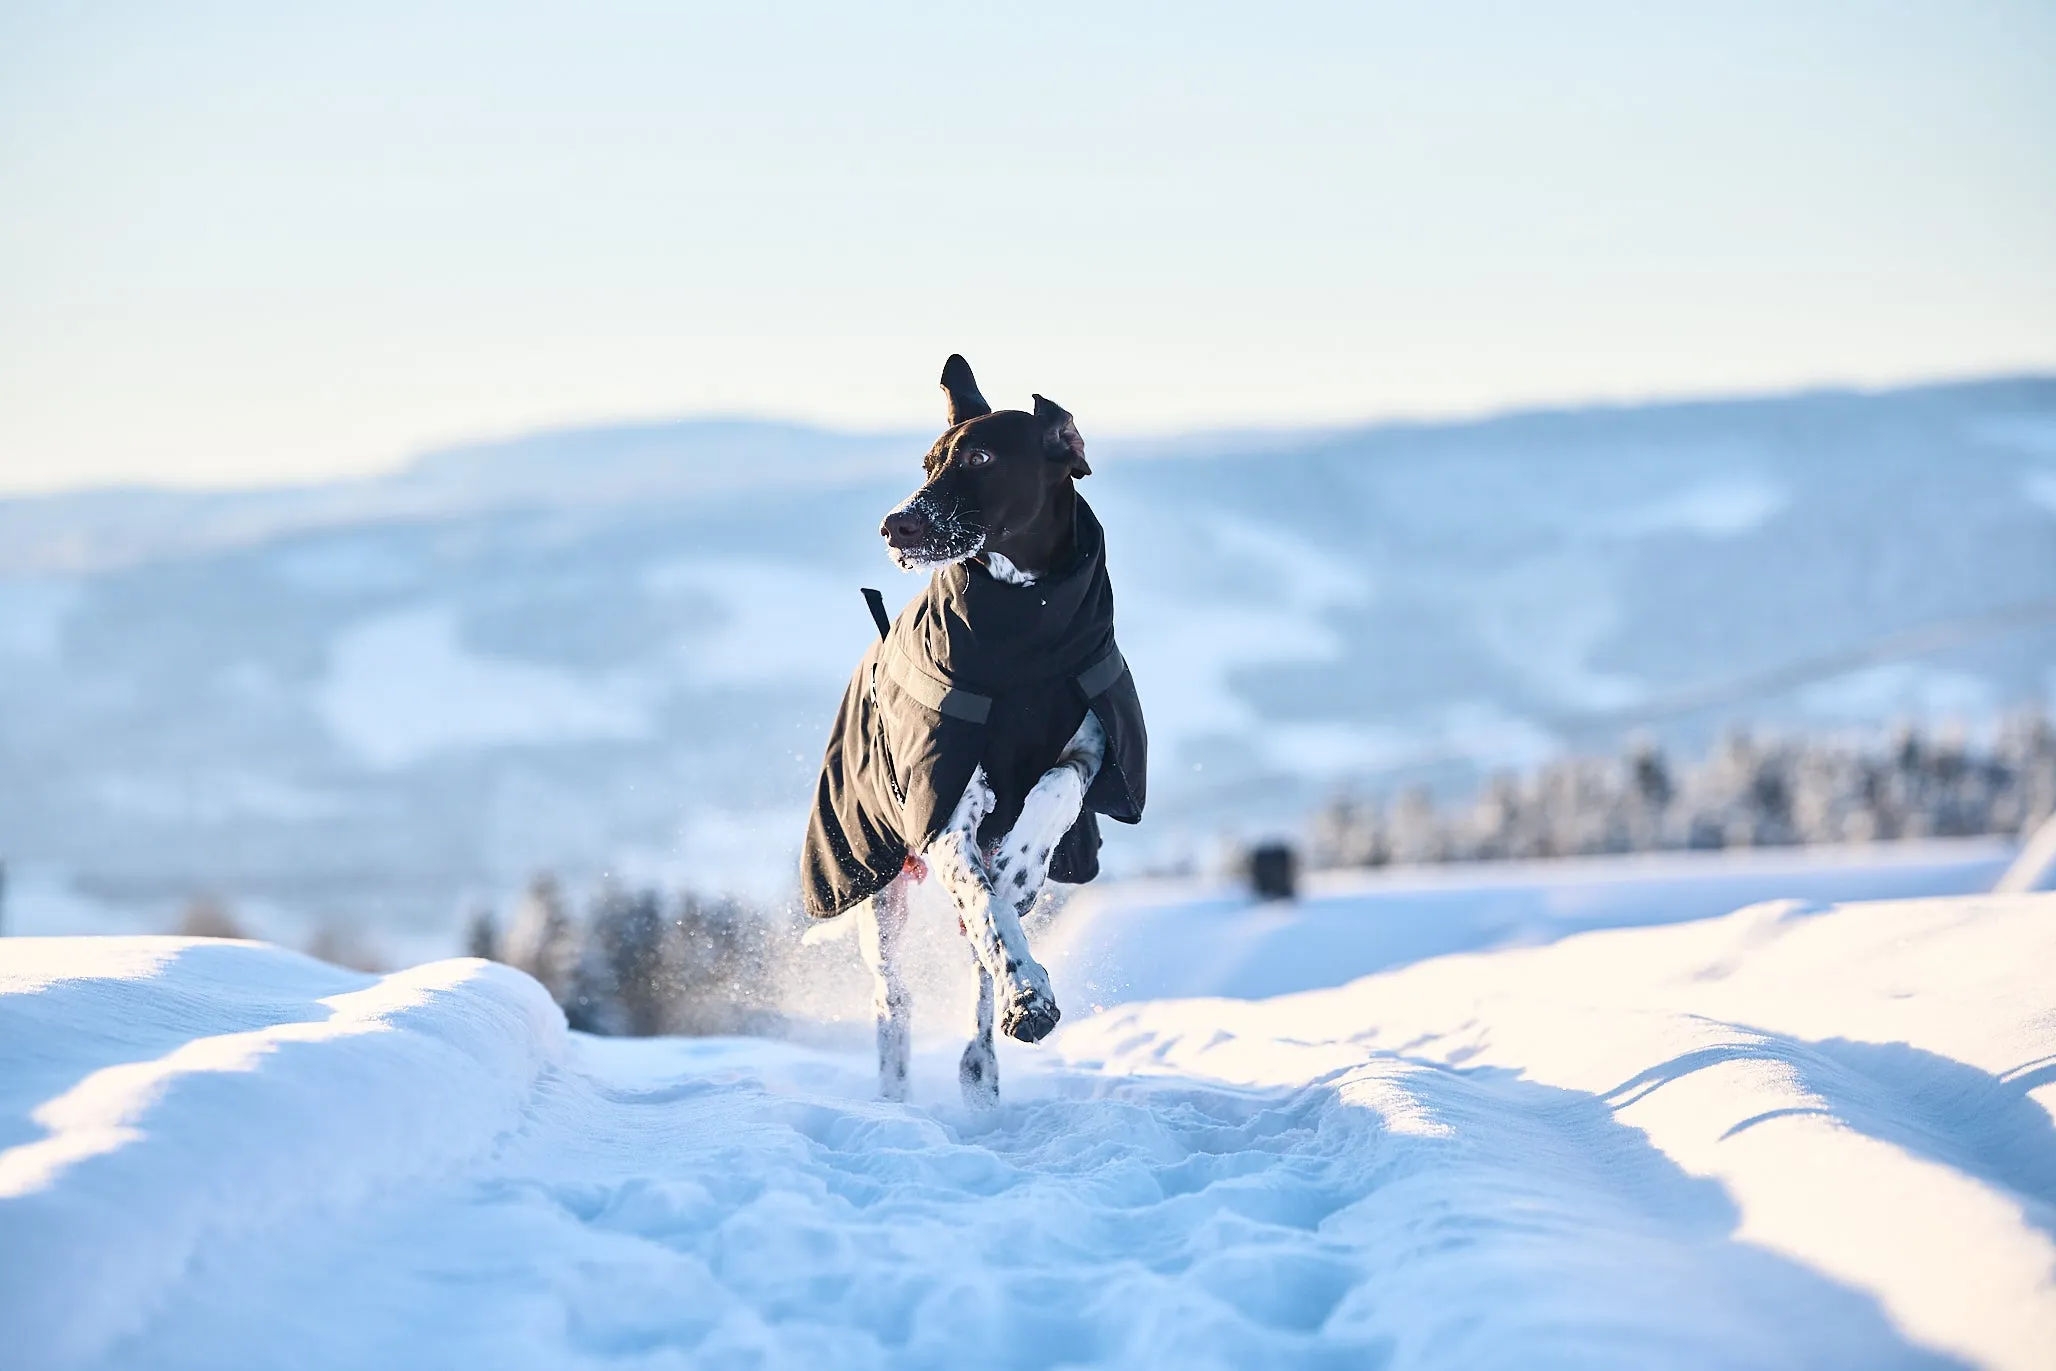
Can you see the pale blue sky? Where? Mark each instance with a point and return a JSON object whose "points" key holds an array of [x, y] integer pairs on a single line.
{"points": [[255, 242]]}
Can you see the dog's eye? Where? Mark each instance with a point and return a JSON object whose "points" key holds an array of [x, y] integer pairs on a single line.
{"points": [[977, 457]]}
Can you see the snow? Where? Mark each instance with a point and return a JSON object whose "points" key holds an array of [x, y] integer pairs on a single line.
{"points": [[1467, 730], [402, 687], [1911, 688], [774, 620], [1140, 940], [1792, 1135], [1187, 608], [32, 616], [188, 1095], [2041, 488], [1715, 508], [2034, 868], [1870, 1090]]}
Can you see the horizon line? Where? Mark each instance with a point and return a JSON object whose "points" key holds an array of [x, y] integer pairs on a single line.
{"points": [[1396, 420]]}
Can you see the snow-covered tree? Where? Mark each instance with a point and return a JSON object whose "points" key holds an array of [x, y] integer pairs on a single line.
{"points": [[627, 974], [481, 933], [541, 940], [642, 963], [1749, 790]]}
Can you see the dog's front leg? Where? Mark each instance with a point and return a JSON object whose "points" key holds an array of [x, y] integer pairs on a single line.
{"points": [[880, 921], [1020, 863], [1028, 1011]]}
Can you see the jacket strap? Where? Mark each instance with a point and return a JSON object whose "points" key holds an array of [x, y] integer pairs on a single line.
{"points": [[938, 694], [876, 600], [968, 705], [1101, 675]]}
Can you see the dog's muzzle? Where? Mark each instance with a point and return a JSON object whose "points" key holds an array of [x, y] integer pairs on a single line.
{"points": [[905, 529], [917, 536]]}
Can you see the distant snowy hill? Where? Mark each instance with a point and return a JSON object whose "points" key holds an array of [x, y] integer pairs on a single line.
{"points": [[618, 650]]}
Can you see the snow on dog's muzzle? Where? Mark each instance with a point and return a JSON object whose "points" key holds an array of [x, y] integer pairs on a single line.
{"points": [[921, 533]]}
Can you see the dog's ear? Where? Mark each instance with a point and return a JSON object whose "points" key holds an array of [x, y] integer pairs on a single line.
{"points": [[964, 400], [1060, 440]]}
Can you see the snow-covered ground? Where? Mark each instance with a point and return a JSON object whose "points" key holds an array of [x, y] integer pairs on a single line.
{"points": [[1787, 1136], [1152, 940]]}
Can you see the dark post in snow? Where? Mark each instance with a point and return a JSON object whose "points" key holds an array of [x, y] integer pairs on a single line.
{"points": [[1274, 871]]}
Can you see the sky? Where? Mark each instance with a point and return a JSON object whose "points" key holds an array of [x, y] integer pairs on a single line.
{"points": [[249, 243]]}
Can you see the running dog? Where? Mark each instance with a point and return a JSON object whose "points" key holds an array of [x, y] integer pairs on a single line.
{"points": [[993, 719]]}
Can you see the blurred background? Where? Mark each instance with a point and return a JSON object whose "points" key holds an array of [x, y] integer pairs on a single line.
{"points": [[441, 448]]}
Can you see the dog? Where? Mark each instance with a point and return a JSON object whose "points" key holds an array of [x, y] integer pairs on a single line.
{"points": [[982, 733]]}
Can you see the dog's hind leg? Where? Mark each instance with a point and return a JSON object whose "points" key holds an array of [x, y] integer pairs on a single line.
{"points": [[1020, 863], [1027, 1009], [880, 922], [978, 1068]]}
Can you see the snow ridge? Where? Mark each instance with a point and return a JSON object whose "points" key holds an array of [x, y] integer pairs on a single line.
{"points": [[316, 1090]]}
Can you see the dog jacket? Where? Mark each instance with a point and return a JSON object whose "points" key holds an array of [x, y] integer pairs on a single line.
{"points": [[975, 671]]}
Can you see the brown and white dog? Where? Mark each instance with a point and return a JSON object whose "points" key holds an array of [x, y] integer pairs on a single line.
{"points": [[1016, 555]]}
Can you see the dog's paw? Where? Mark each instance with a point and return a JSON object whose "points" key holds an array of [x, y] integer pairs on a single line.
{"points": [[1030, 1020], [978, 1075], [1031, 1010]]}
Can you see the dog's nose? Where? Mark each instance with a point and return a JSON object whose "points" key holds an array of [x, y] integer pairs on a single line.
{"points": [[904, 528]]}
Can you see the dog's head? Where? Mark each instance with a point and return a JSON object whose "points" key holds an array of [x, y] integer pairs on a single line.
{"points": [[997, 482]]}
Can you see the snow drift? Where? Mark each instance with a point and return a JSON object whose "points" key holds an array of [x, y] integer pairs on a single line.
{"points": [[1790, 1136], [165, 1097]]}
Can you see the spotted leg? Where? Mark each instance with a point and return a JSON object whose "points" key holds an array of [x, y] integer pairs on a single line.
{"points": [[1020, 864], [978, 1068], [1027, 1009], [880, 921]]}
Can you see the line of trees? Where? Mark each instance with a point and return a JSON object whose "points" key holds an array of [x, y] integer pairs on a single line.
{"points": [[641, 963], [1747, 791]]}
